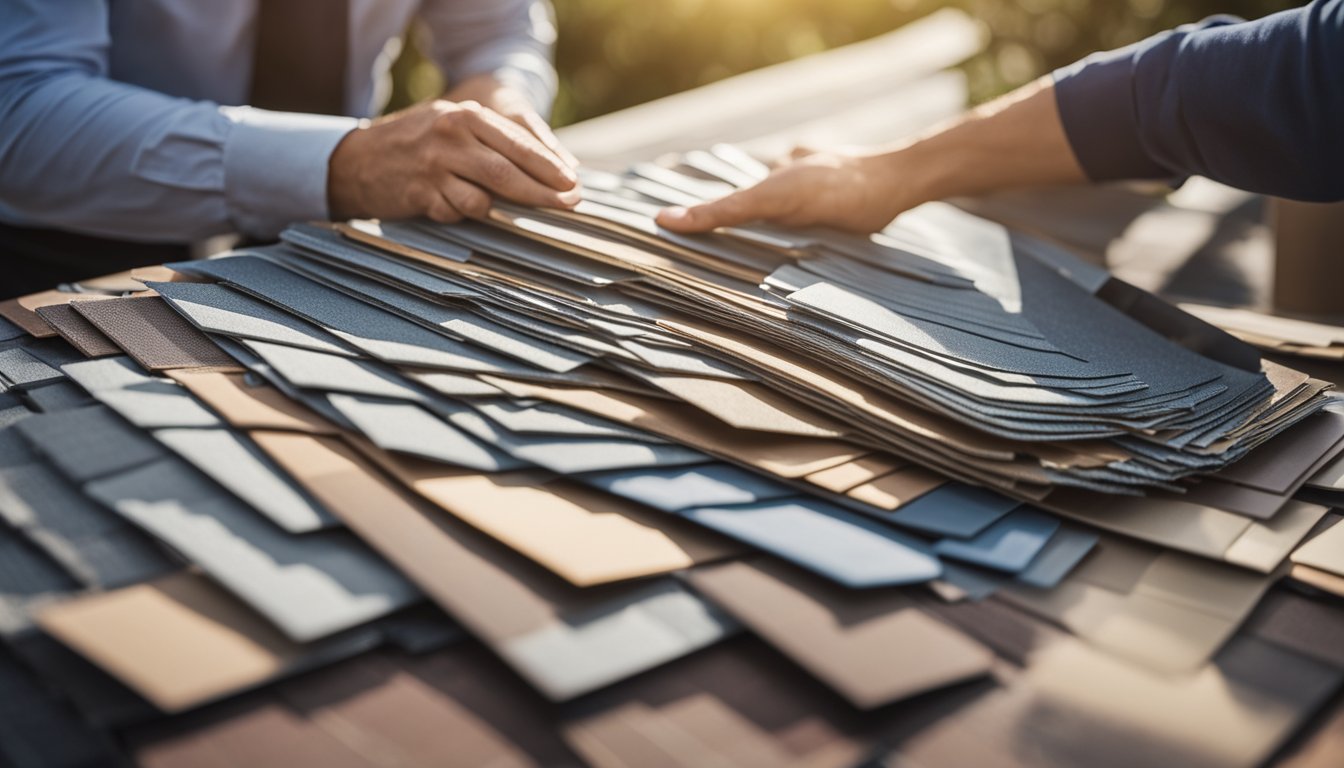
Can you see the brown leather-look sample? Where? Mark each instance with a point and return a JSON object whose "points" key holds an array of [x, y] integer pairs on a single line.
{"points": [[1160, 610], [257, 731], [737, 704], [458, 708], [1285, 462], [872, 646], [157, 337], [81, 334], [22, 311], [1312, 628], [461, 707]]}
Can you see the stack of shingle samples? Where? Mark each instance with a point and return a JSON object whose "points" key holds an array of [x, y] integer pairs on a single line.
{"points": [[563, 488], [1275, 334]]}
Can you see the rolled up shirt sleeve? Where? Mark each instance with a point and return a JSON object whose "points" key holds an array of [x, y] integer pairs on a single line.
{"points": [[87, 154], [511, 39], [1258, 105]]}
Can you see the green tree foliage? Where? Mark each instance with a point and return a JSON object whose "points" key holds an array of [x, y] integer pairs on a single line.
{"points": [[618, 53]]}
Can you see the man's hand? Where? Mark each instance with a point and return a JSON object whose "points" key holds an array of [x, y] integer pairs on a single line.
{"points": [[444, 160], [860, 193], [509, 102]]}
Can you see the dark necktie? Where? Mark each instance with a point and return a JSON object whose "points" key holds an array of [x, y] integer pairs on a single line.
{"points": [[301, 55]]}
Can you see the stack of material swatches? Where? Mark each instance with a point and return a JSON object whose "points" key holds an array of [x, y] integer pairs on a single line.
{"points": [[564, 488], [1276, 334]]}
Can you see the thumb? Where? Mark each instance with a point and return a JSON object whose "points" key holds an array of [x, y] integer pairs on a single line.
{"points": [[737, 208]]}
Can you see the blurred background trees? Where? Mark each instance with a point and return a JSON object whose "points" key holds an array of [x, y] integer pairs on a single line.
{"points": [[617, 53]]}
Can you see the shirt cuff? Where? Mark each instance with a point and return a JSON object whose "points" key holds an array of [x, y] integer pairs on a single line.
{"points": [[537, 82], [1095, 97], [275, 167]]}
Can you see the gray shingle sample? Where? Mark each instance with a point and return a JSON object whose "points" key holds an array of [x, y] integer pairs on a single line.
{"points": [[88, 443], [93, 544], [309, 586]]}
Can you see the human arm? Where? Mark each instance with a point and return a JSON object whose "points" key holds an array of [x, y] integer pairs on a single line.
{"points": [[83, 153], [1258, 105], [1015, 140]]}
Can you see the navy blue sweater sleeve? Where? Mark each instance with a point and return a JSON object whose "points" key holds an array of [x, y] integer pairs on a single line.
{"points": [[1257, 105]]}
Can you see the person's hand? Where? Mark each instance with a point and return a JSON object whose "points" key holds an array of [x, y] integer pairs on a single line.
{"points": [[489, 92], [444, 160], [860, 193], [1016, 140]]}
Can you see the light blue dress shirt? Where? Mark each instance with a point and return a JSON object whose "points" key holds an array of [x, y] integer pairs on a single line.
{"points": [[124, 118]]}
